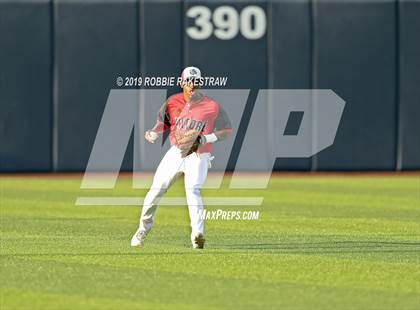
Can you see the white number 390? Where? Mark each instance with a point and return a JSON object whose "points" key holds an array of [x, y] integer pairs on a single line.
{"points": [[226, 22]]}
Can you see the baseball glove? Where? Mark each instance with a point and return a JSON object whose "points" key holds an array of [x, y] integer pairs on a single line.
{"points": [[188, 141]]}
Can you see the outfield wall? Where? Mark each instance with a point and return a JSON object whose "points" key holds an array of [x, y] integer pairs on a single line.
{"points": [[59, 60]]}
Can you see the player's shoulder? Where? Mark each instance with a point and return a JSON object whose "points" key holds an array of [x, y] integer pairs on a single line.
{"points": [[210, 101], [175, 98]]}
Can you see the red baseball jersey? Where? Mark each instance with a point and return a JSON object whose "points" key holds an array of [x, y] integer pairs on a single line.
{"points": [[201, 113]]}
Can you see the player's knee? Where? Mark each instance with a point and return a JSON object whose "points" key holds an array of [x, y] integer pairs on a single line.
{"points": [[153, 194], [147, 220], [193, 191]]}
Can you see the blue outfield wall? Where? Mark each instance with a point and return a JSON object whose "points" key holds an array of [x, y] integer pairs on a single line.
{"points": [[59, 59]]}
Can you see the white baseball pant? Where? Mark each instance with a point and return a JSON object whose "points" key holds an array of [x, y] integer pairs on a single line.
{"points": [[194, 167]]}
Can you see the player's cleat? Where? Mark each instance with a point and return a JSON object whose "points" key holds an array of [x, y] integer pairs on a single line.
{"points": [[198, 241], [138, 238]]}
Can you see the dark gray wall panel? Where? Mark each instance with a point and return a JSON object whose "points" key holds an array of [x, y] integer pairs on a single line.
{"points": [[354, 55], [243, 61], [161, 49], [25, 86], [409, 90], [161, 36], [95, 42], [290, 58]]}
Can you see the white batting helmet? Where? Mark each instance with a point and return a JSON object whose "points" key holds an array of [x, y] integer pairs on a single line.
{"points": [[190, 73]]}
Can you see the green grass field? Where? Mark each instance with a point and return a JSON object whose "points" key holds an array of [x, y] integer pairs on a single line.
{"points": [[322, 242]]}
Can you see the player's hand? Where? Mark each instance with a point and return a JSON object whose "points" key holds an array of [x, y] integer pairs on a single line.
{"points": [[151, 136]]}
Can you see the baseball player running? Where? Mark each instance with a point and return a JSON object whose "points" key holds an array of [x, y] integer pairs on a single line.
{"points": [[194, 122]]}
